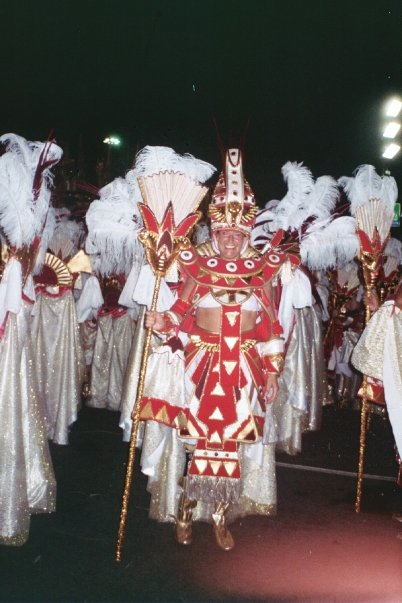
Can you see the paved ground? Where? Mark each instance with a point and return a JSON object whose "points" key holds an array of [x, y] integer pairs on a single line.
{"points": [[317, 549]]}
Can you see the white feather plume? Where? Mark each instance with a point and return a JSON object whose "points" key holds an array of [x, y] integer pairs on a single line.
{"points": [[329, 244], [366, 185], [321, 202], [394, 248], [22, 216], [262, 232], [68, 235], [290, 211], [153, 159], [393, 256], [113, 226]]}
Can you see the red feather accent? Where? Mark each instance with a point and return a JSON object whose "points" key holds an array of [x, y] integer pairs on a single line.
{"points": [[149, 218], [168, 219], [365, 242], [43, 164], [185, 225]]}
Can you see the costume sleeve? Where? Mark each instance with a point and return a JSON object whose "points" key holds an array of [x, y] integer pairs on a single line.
{"points": [[181, 308], [272, 351]]}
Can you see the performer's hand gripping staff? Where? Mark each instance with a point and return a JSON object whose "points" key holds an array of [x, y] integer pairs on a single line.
{"points": [[170, 200]]}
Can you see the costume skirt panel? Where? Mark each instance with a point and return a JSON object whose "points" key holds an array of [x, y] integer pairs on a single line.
{"points": [[112, 348], [302, 384], [60, 361], [27, 482]]}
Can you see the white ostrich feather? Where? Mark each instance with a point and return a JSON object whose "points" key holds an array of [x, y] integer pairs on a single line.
{"points": [[154, 159], [393, 256], [299, 180], [113, 226], [322, 200], [290, 212], [67, 238], [261, 232], [329, 244], [366, 185], [372, 199], [22, 216], [394, 248]]}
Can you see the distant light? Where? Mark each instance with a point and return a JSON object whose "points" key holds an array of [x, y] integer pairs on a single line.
{"points": [[393, 107], [391, 150], [391, 129], [113, 140]]}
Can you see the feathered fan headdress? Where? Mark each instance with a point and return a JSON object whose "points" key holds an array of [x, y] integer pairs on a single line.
{"points": [[372, 199], [25, 179], [113, 224]]}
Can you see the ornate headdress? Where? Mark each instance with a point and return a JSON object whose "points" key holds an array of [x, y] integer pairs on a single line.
{"points": [[233, 204]]}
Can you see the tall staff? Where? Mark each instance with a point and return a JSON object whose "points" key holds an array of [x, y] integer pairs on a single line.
{"points": [[170, 200], [372, 199]]}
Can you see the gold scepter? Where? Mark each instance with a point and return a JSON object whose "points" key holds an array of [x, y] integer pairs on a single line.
{"points": [[372, 199], [369, 257], [168, 210]]}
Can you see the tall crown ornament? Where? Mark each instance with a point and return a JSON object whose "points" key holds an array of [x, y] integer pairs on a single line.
{"points": [[233, 204], [372, 199], [171, 196]]}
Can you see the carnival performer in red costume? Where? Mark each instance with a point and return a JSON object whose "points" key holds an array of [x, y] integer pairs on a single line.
{"points": [[233, 353]]}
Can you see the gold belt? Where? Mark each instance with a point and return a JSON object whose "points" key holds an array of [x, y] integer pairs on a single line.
{"points": [[214, 347]]}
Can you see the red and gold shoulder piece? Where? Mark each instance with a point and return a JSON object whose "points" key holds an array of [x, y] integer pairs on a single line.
{"points": [[274, 260], [217, 272]]}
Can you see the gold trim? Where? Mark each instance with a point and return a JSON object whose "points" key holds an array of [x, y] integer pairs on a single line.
{"points": [[63, 275]]}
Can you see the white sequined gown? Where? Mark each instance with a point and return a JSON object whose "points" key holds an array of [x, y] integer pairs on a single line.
{"points": [[27, 482], [60, 359], [302, 383], [114, 335]]}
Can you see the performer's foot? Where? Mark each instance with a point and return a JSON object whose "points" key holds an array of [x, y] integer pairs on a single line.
{"points": [[86, 390], [397, 517], [183, 531], [184, 520], [223, 537]]}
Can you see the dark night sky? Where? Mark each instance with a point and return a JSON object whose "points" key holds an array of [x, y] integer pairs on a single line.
{"points": [[310, 75]]}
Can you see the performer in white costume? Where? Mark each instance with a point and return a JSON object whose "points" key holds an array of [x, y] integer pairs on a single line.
{"points": [[113, 224], [27, 483], [378, 354], [59, 353], [288, 225]]}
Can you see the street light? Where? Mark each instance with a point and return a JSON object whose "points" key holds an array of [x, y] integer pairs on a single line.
{"points": [[391, 150], [391, 129], [393, 107], [112, 140]]}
